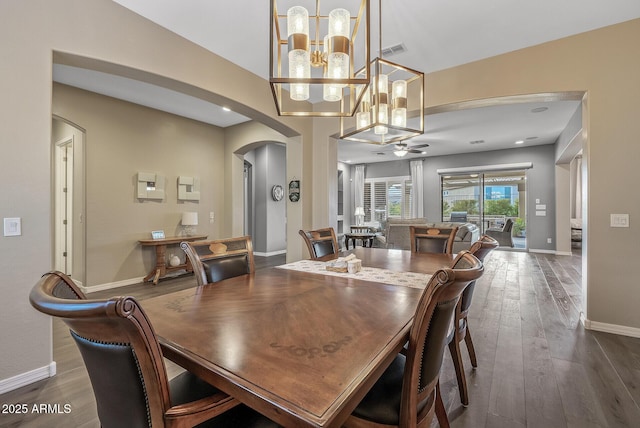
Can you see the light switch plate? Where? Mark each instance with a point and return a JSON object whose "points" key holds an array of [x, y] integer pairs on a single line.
{"points": [[13, 226], [619, 220]]}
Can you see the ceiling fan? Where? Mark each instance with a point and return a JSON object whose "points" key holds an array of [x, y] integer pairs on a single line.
{"points": [[402, 148]]}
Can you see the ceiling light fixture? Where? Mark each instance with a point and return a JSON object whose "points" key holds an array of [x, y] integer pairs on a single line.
{"points": [[400, 153], [315, 76], [392, 108], [520, 142]]}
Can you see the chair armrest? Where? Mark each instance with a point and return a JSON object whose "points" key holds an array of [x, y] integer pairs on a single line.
{"points": [[196, 412]]}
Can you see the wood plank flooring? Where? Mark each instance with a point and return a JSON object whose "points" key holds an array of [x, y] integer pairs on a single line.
{"points": [[537, 366]]}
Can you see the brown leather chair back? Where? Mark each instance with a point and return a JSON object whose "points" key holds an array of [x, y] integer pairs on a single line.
{"points": [[321, 243], [428, 336], [119, 349], [426, 239], [215, 260], [481, 248]]}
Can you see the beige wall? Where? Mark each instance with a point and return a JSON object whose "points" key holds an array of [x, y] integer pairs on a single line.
{"points": [[122, 140], [606, 64]]}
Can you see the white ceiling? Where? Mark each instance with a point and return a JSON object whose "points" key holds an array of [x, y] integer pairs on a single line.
{"points": [[437, 34]]}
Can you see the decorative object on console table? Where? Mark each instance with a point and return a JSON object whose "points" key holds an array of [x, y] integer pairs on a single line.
{"points": [[359, 214], [189, 219], [161, 269]]}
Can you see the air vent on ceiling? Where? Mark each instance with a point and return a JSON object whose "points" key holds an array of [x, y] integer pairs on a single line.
{"points": [[393, 50], [476, 142]]}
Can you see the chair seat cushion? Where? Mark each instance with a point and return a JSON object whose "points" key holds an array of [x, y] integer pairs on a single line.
{"points": [[382, 402], [240, 416], [187, 387]]}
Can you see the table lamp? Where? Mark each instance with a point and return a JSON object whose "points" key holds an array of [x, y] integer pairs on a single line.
{"points": [[359, 215], [189, 219]]}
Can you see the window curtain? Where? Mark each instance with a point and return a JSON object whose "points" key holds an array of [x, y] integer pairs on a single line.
{"points": [[358, 183], [417, 185]]}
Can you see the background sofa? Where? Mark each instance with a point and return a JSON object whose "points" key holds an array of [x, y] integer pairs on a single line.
{"points": [[395, 233]]}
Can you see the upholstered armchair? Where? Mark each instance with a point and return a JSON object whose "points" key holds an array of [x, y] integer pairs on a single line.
{"points": [[503, 236]]}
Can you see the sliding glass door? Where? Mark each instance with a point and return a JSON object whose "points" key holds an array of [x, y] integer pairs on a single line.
{"points": [[493, 201]]}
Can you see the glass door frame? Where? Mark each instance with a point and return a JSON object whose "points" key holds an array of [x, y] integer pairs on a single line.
{"points": [[479, 197]]}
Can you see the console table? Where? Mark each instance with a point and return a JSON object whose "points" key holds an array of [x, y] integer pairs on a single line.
{"points": [[161, 269]]}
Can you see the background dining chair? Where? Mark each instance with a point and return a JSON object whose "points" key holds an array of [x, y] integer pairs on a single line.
{"points": [[408, 392], [502, 235], [215, 260], [426, 239], [321, 243], [360, 229], [481, 248], [126, 367]]}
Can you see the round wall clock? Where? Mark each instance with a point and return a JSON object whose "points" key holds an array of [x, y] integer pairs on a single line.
{"points": [[277, 192]]}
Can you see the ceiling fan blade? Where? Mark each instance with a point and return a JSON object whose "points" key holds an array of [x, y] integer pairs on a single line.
{"points": [[415, 151], [419, 146]]}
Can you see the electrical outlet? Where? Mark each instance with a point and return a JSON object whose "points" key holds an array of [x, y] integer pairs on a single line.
{"points": [[212, 217], [549, 241]]}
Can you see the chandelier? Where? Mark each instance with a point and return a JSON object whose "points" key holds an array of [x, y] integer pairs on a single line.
{"points": [[392, 107], [313, 54]]}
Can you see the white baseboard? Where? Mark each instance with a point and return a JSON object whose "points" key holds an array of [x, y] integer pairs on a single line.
{"points": [[272, 253], [533, 250], [110, 285], [27, 378], [554, 252], [564, 253], [610, 328]]}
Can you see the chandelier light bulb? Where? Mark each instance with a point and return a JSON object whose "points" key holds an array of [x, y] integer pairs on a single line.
{"points": [[299, 56], [399, 100], [337, 49]]}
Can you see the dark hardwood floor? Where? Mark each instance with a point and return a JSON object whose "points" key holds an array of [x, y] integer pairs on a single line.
{"points": [[537, 366]]}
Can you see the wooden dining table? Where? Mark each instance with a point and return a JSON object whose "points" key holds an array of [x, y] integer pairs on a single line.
{"points": [[301, 348]]}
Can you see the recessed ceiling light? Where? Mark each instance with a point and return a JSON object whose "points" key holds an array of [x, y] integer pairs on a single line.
{"points": [[520, 142], [539, 109], [226, 109], [531, 138], [348, 161], [476, 142]]}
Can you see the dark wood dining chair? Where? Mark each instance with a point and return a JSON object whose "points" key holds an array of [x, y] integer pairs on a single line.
{"points": [[481, 248], [219, 259], [425, 239], [408, 392], [125, 364], [321, 243]]}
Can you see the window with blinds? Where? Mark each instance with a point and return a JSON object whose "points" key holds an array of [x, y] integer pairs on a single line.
{"points": [[387, 197]]}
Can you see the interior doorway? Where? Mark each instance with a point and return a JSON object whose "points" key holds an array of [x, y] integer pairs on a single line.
{"points": [[68, 196], [63, 197]]}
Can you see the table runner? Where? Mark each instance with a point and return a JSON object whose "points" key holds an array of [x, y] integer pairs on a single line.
{"points": [[407, 279]]}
